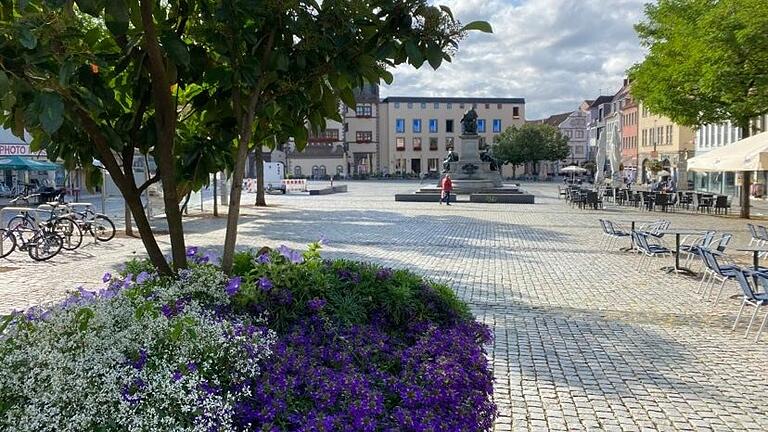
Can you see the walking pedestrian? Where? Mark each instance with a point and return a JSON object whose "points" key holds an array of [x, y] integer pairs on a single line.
{"points": [[446, 185]]}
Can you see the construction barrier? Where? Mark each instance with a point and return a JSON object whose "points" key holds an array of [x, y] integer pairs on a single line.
{"points": [[295, 185]]}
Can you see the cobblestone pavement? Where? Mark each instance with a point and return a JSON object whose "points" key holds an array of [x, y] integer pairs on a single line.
{"points": [[584, 340]]}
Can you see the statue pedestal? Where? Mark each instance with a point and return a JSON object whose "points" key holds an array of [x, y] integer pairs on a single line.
{"points": [[470, 174]]}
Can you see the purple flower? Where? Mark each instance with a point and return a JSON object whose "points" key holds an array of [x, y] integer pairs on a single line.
{"points": [[208, 258], [265, 284], [192, 366], [285, 297], [176, 376], [143, 277], [290, 254], [264, 259], [85, 294], [141, 361], [107, 277], [384, 274], [191, 251], [316, 304], [233, 286], [323, 240], [128, 280]]}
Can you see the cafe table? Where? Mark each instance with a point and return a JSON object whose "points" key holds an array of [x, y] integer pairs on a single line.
{"points": [[677, 233]]}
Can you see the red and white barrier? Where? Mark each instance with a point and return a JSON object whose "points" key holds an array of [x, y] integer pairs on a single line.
{"points": [[295, 185]]}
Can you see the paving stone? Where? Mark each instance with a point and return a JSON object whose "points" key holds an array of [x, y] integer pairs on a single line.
{"points": [[584, 338]]}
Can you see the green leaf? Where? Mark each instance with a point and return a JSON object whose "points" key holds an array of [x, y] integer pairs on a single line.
{"points": [[65, 72], [447, 10], [51, 112], [348, 97], [414, 54], [482, 26], [117, 17], [91, 7], [5, 84], [27, 39], [175, 48], [387, 76], [434, 56]]}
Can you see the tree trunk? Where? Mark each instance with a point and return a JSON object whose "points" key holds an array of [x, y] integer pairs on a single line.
{"points": [[128, 222], [746, 180], [514, 170], [133, 202], [233, 213], [259, 161], [215, 198]]}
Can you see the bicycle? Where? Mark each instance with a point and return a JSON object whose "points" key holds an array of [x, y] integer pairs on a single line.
{"points": [[43, 245], [66, 227], [98, 225]]}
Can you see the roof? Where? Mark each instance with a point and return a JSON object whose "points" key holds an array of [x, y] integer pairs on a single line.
{"points": [[557, 119], [518, 101], [601, 100], [319, 152]]}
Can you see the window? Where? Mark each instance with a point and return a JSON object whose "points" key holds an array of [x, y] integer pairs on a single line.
{"points": [[417, 144], [397, 105], [364, 110], [433, 126], [432, 164], [326, 135], [400, 126], [497, 126], [364, 136], [669, 134], [481, 143], [297, 171], [474, 106], [449, 126], [323, 172], [410, 105], [400, 144], [498, 106], [437, 105], [433, 144], [461, 106], [449, 105], [487, 106], [516, 112], [448, 143], [579, 133], [480, 125], [423, 105], [339, 170], [416, 125]]}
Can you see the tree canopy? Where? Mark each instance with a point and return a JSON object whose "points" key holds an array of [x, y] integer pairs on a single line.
{"points": [[707, 63], [196, 84], [531, 143]]}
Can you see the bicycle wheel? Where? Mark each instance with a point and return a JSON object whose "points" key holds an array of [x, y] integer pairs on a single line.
{"points": [[20, 223], [7, 243], [44, 246], [69, 232], [102, 228]]}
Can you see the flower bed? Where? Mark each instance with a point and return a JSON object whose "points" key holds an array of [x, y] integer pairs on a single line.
{"points": [[291, 342]]}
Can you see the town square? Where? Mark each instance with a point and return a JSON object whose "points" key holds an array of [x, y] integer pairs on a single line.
{"points": [[365, 215]]}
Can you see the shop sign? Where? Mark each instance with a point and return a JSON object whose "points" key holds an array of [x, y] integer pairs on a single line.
{"points": [[18, 150]]}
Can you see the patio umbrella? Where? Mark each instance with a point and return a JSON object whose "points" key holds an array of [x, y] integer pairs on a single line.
{"points": [[663, 173], [573, 169], [749, 154], [25, 164]]}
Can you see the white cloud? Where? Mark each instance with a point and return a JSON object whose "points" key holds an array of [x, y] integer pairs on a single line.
{"points": [[555, 53]]}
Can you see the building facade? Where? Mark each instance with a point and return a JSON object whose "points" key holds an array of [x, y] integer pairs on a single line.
{"points": [[711, 136], [597, 111], [629, 120], [361, 132], [573, 125], [665, 141], [323, 157], [417, 132]]}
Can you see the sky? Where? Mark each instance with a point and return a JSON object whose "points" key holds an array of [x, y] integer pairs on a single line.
{"points": [[554, 53]]}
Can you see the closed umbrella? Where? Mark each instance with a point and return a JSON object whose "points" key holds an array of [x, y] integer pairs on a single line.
{"points": [[573, 169]]}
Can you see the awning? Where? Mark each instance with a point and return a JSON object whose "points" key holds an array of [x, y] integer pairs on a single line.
{"points": [[749, 154], [26, 164]]}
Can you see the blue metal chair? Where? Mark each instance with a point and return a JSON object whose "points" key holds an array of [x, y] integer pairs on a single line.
{"points": [[715, 272], [649, 250], [752, 298]]}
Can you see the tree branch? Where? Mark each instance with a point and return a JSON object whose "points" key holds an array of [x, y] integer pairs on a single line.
{"points": [[148, 183]]}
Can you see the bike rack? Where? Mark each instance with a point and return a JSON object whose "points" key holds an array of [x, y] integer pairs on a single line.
{"points": [[73, 206], [17, 210]]}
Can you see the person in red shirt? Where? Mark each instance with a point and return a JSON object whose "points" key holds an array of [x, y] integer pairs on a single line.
{"points": [[446, 185]]}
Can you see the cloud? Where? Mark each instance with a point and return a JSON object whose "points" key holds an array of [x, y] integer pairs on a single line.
{"points": [[555, 53]]}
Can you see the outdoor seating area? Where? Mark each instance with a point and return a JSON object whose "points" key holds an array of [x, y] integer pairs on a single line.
{"points": [[706, 255], [697, 202]]}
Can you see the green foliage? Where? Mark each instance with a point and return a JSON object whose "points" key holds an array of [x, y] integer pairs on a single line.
{"points": [[707, 60], [355, 292], [530, 143]]}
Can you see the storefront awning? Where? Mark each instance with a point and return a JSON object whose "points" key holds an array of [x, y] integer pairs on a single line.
{"points": [[26, 164], [749, 154]]}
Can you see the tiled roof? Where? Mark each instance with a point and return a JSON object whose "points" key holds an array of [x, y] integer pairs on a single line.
{"points": [[454, 100]]}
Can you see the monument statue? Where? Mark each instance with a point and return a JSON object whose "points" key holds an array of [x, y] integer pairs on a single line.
{"points": [[452, 157], [485, 156], [469, 122]]}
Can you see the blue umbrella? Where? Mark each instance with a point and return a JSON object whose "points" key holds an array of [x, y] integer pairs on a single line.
{"points": [[25, 164]]}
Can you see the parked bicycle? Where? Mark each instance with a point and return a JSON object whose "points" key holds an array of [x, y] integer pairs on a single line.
{"points": [[66, 227], [41, 243], [98, 225]]}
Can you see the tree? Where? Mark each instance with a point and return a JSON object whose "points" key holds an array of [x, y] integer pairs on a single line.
{"points": [[531, 143], [707, 62], [283, 65]]}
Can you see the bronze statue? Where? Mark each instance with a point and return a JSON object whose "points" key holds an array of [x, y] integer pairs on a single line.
{"points": [[485, 156], [469, 122], [452, 157]]}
